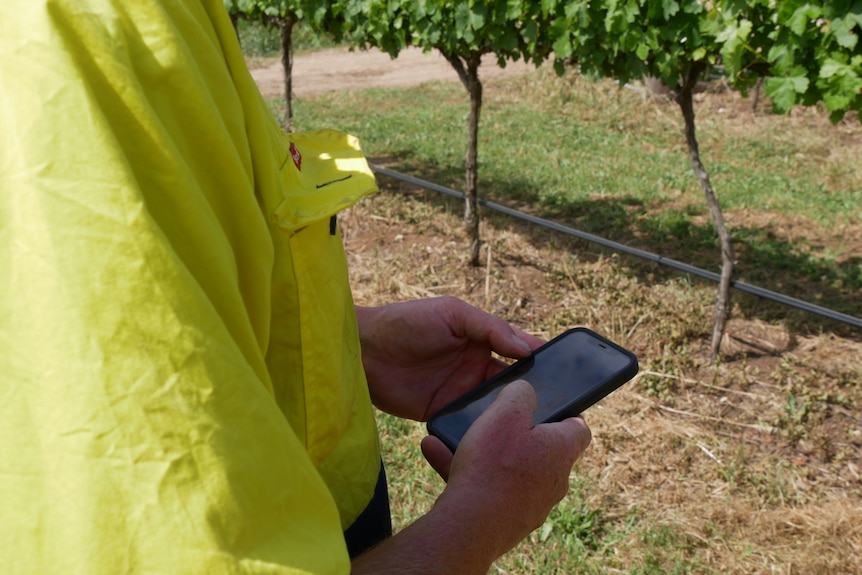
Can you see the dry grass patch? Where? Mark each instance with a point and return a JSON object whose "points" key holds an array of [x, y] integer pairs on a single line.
{"points": [[748, 466]]}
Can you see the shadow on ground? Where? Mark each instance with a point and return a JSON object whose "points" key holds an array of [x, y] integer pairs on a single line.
{"points": [[763, 259]]}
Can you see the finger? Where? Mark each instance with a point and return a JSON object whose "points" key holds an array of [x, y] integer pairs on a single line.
{"points": [[478, 325], [509, 342], [531, 340], [577, 433], [519, 393], [437, 455]]}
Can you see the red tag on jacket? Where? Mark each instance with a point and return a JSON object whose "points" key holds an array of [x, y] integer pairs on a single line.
{"points": [[297, 157]]}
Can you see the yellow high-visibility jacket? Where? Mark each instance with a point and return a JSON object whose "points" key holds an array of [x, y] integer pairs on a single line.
{"points": [[181, 388]]}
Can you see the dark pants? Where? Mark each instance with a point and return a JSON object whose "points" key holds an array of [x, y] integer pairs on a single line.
{"points": [[374, 524]]}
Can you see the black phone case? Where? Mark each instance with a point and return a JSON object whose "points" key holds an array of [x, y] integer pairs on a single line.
{"points": [[573, 408]]}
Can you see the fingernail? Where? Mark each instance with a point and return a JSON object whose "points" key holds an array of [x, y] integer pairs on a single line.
{"points": [[523, 344]]}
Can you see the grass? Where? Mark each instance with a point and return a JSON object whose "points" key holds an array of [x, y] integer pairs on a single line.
{"points": [[573, 141], [579, 536], [695, 468], [746, 466], [260, 41], [608, 161]]}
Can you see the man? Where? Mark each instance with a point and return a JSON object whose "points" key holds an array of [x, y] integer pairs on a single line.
{"points": [[186, 384]]}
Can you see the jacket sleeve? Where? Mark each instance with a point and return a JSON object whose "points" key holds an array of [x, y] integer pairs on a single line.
{"points": [[138, 430]]}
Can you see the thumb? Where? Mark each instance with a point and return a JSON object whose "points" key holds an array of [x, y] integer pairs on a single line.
{"points": [[519, 393], [437, 455]]}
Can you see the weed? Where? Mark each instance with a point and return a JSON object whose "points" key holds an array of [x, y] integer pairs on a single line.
{"points": [[667, 551], [575, 525], [735, 469], [662, 388], [795, 416]]}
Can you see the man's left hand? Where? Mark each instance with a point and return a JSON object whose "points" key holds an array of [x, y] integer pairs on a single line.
{"points": [[420, 355]]}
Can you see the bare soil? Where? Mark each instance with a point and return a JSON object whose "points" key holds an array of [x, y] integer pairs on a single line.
{"points": [[340, 69]]}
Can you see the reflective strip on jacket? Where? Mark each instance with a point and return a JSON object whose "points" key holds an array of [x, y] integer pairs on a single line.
{"points": [[182, 389]]}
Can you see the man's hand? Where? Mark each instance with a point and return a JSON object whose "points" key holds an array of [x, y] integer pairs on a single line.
{"points": [[420, 355], [504, 479], [510, 469]]}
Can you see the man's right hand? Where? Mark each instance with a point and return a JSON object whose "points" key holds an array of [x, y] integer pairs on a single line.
{"points": [[504, 479], [508, 470]]}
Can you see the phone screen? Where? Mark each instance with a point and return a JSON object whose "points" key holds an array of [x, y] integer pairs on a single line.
{"points": [[569, 374]]}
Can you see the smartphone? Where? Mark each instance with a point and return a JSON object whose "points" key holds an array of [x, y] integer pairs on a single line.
{"points": [[569, 373]]}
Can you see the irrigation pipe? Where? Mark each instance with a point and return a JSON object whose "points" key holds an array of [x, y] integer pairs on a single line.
{"points": [[683, 267]]}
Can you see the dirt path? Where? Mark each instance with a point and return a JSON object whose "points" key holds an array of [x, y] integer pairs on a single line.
{"points": [[339, 69]]}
